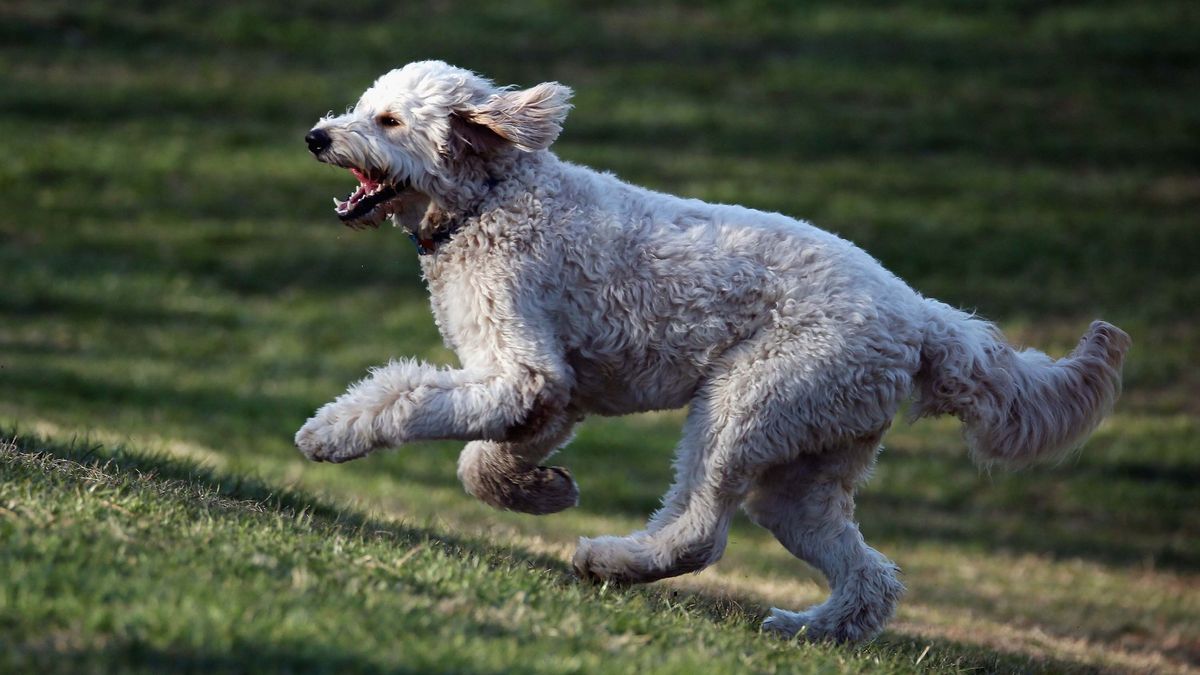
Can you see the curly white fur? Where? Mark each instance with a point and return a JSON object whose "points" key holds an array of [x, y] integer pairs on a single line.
{"points": [[567, 292]]}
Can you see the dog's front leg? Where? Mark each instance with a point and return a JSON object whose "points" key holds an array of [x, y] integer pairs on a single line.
{"points": [[409, 401]]}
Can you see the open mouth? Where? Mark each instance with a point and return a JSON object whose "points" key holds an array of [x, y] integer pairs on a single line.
{"points": [[372, 202]]}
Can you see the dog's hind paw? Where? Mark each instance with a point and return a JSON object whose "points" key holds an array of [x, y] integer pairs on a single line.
{"points": [[636, 559], [785, 624], [616, 559], [812, 626]]}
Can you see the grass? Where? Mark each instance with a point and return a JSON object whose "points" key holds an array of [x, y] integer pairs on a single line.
{"points": [[303, 585], [177, 299]]}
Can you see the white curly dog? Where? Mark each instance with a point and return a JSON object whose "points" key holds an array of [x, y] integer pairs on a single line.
{"points": [[565, 291]]}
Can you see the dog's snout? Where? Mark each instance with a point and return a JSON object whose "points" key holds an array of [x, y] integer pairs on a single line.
{"points": [[318, 141]]}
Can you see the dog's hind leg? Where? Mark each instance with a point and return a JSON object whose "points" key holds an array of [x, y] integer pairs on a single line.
{"points": [[508, 475], [808, 504], [689, 532], [766, 403]]}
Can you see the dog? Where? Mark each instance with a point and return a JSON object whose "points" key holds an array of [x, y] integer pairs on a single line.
{"points": [[566, 292]]}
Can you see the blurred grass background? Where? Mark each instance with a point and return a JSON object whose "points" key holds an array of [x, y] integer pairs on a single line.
{"points": [[172, 277]]}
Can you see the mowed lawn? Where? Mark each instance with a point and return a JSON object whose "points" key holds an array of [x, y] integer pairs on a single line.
{"points": [[176, 297]]}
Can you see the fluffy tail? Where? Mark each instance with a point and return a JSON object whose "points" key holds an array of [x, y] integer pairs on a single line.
{"points": [[1018, 407]]}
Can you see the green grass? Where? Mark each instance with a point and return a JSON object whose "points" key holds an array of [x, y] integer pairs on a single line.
{"points": [[176, 297], [305, 585]]}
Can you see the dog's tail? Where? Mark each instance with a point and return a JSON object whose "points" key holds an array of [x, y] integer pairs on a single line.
{"points": [[1017, 406]]}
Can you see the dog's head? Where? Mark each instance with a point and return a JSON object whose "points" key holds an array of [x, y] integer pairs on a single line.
{"points": [[410, 135]]}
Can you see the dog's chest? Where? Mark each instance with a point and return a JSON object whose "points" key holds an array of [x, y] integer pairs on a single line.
{"points": [[462, 300]]}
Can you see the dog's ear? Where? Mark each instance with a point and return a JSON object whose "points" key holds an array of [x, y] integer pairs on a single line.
{"points": [[469, 136], [529, 119]]}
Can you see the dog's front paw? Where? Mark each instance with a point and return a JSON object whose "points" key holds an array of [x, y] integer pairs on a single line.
{"points": [[332, 437]]}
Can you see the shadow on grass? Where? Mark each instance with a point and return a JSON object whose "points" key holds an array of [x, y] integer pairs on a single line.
{"points": [[136, 657], [288, 502], [245, 490], [309, 658]]}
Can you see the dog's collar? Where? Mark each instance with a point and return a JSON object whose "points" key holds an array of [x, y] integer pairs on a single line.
{"points": [[428, 245], [425, 246]]}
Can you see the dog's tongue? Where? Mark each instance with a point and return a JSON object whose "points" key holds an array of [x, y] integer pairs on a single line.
{"points": [[362, 178]]}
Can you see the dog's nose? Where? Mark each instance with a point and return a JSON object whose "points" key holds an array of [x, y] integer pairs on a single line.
{"points": [[318, 141]]}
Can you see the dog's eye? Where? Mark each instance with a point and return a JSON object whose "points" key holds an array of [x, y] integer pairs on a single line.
{"points": [[389, 121]]}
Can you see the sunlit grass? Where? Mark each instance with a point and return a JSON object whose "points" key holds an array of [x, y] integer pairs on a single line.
{"points": [[171, 280]]}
